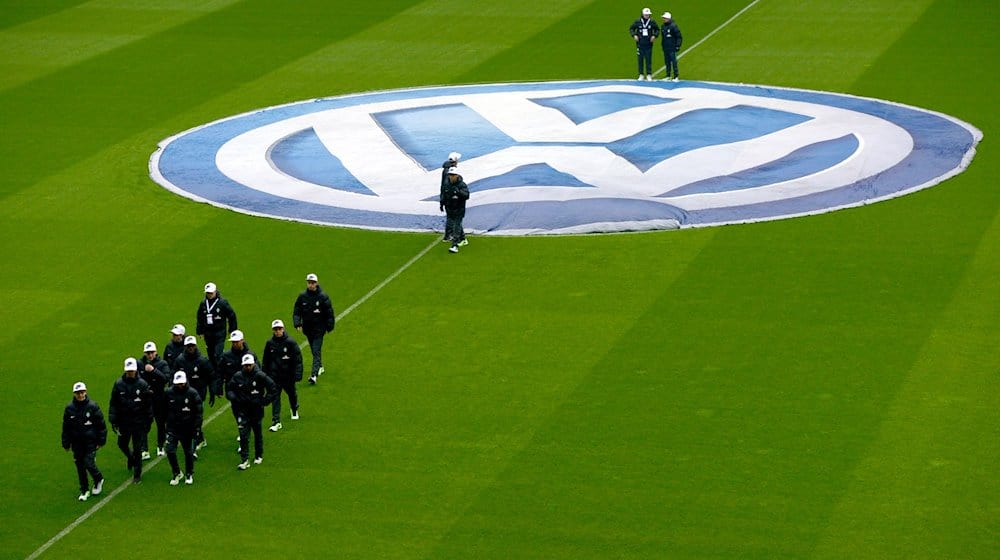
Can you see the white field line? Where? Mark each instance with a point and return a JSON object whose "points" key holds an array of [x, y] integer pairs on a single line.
{"points": [[121, 488], [714, 31]]}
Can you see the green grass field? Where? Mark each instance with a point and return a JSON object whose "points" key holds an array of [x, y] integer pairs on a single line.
{"points": [[823, 387]]}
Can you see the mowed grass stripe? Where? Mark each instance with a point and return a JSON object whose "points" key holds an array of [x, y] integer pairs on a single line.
{"points": [[46, 44], [112, 96], [16, 13]]}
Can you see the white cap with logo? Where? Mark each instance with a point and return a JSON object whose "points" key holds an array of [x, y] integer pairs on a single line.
{"points": [[454, 156], [178, 329], [131, 364], [646, 11], [312, 278], [247, 360], [666, 15], [210, 288], [149, 347], [277, 324], [236, 336], [180, 377], [189, 340], [79, 386]]}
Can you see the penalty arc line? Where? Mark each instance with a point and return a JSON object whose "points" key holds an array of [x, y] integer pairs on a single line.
{"points": [[713, 32], [121, 488]]}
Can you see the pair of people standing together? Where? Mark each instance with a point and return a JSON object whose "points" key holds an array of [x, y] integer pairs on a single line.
{"points": [[645, 32]]}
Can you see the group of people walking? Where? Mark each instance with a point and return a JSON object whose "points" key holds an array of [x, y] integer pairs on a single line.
{"points": [[645, 32], [170, 391]]}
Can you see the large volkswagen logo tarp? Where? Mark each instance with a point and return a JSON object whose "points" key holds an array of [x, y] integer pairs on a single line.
{"points": [[566, 157]]}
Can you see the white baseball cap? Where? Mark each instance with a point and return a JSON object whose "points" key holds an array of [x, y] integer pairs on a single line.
{"points": [[178, 329], [454, 156], [235, 336], [131, 364], [210, 288], [277, 323], [666, 15], [646, 11], [79, 386], [312, 278], [452, 171], [180, 377], [149, 347], [190, 340], [247, 360]]}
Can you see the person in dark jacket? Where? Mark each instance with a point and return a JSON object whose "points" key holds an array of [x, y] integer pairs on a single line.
{"points": [[229, 365], [84, 431], [452, 161], [671, 40], [455, 195], [313, 316], [283, 363], [199, 377], [184, 417], [156, 371], [250, 391], [214, 312], [131, 413], [644, 30], [175, 346]]}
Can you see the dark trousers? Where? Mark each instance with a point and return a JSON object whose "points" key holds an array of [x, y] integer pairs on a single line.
{"points": [[286, 385], [245, 423], [85, 457], [213, 348], [316, 347], [183, 436], [136, 435], [160, 417], [670, 61], [644, 54], [453, 223], [202, 392]]}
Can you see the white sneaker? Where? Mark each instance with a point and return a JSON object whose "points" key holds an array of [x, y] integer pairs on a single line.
{"points": [[145, 455], [160, 452], [189, 480], [83, 497], [98, 487], [463, 243], [649, 77], [243, 466], [312, 379], [453, 249], [275, 427], [258, 460], [676, 79], [295, 415], [176, 479], [641, 78], [321, 370], [203, 443]]}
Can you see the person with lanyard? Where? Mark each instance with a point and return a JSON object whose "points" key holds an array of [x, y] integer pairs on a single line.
{"points": [[645, 31], [213, 314]]}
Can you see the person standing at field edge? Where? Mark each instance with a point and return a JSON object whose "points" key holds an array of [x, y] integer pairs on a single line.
{"points": [[670, 42], [313, 316], [213, 314], [131, 413], [84, 432], [455, 194], [644, 30], [452, 161]]}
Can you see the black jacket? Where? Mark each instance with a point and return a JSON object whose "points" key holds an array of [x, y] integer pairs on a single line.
{"points": [[283, 359], [672, 38], [221, 313], [448, 164], [198, 369], [250, 393], [652, 31], [170, 352], [313, 312], [455, 194], [131, 402], [159, 378], [83, 425], [184, 409]]}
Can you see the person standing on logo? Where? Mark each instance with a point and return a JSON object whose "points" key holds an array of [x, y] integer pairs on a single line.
{"points": [[283, 364], [313, 316], [184, 416], [156, 371], [213, 314], [250, 391], [84, 431], [456, 193], [452, 161], [644, 30], [670, 42], [131, 413]]}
